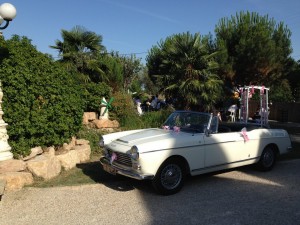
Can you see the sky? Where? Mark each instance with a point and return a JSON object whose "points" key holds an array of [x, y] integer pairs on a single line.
{"points": [[135, 26]]}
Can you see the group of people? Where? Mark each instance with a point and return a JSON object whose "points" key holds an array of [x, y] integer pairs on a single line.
{"points": [[151, 104]]}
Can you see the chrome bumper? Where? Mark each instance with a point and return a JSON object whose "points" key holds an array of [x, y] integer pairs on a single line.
{"points": [[122, 171]]}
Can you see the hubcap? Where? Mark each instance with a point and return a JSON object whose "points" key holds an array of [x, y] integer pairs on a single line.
{"points": [[268, 158], [171, 176]]}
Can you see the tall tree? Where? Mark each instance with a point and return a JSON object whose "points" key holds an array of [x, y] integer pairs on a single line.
{"points": [[147, 84], [255, 49], [131, 67], [186, 69], [79, 51], [294, 79], [113, 70]]}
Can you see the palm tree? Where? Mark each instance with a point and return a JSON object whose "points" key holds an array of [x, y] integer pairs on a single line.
{"points": [[80, 51], [188, 71]]}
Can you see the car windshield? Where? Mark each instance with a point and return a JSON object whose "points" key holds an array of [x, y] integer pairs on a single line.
{"points": [[187, 121]]}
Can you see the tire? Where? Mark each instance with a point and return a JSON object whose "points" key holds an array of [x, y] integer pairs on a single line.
{"points": [[267, 159], [170, 177]]}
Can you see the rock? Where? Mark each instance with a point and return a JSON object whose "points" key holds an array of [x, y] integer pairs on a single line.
{"points": [[69, 159], [108, 130], [16, 180], [83, 152], [89, 116], [12, 165], [34, 152], [50, 151], [45, 166], [106, 123], [67, 147], [82, 142], [73, 142]]}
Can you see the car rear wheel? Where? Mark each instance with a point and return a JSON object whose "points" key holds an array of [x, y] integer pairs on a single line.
{"points": [[267, 159], [170, 177]]}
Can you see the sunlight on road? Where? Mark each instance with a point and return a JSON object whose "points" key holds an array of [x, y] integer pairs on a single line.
{"points": [[241, 176]]}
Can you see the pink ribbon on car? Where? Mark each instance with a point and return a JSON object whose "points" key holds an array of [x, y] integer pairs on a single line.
{"points": [[176, 129], [244, 134], [166, 127], [262, 90], [113, 157]]}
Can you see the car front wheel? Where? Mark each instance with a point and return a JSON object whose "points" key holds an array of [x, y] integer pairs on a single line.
{"points": [[267, 159], [170, 177]]}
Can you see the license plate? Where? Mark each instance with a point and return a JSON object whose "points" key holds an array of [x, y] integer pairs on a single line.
{"points": [[109, 169]]}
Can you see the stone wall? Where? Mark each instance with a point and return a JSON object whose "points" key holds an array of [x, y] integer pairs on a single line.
{"points": [[48, 163], [91, 119], [45, 164]]}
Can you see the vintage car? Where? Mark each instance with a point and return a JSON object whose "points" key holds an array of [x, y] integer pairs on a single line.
{"points": [[190, 143]]}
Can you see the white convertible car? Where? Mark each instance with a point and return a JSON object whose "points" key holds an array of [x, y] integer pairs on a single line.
{"points": [[190, 143]]}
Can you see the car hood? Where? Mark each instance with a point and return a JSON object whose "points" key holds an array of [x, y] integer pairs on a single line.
{"points": [[153, 139], [145, 136]]}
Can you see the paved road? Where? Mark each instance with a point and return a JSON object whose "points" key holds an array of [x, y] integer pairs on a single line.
{"points": [[243, 196]]}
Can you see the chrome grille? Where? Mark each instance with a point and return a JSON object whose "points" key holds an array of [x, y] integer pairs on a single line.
{"points": [[122, 159]]}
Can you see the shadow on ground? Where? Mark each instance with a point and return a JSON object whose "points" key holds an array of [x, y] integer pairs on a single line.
{"points": [[116, 182]]}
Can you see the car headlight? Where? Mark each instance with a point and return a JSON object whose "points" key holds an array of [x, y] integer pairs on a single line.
{"points": [[134, 152], [101, 142]]}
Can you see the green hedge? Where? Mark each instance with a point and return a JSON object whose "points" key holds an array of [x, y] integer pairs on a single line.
{"points": [[42, 103], [93, 94]]}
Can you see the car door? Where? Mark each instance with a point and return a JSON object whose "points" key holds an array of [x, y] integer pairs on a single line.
{"points": [[224, 148], [194, 151]]}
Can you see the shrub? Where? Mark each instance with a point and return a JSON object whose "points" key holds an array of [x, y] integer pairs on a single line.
{"points": [[93, 136], [125, 112], [156, 118], [93, 94], [41, 102]]}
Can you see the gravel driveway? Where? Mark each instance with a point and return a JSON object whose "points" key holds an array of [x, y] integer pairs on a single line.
{"points": [[242, 196]]}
